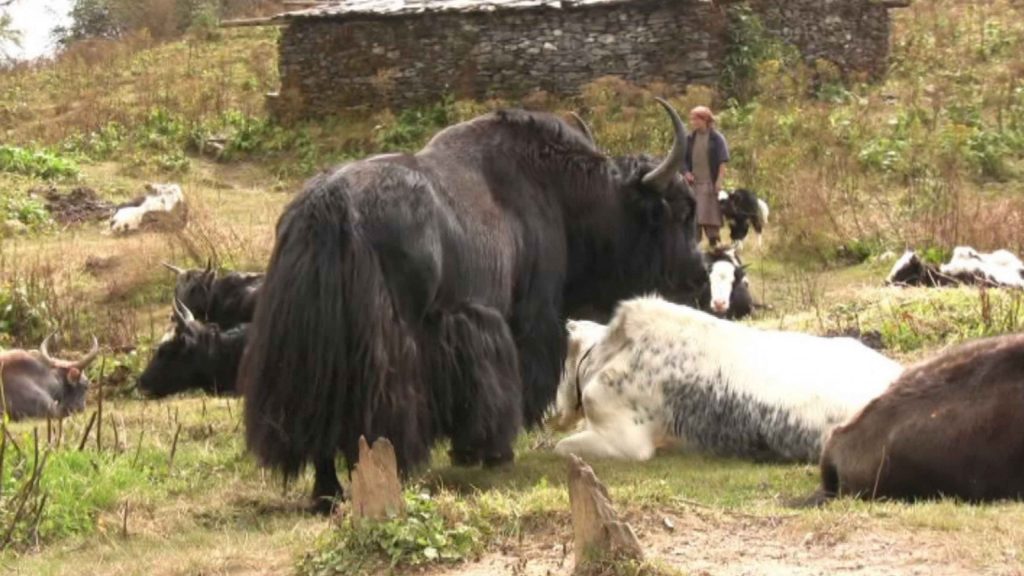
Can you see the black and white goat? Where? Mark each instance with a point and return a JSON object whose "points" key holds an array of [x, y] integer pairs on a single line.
{"points": [[742, 209], [966, 266]]}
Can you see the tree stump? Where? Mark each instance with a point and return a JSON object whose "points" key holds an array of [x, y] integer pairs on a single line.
{"points": [[597, 531], [376, 490]]}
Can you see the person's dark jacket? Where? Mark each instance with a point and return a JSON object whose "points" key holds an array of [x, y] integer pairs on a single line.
{"points": [[718, 152]]}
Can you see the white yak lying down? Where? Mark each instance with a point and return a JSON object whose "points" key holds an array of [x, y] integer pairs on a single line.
{"points": [[662, 374]]}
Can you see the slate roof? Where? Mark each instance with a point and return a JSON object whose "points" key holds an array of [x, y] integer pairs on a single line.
{"points": [[357, 8]]}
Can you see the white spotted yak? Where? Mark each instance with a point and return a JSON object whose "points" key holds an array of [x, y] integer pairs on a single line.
{"points": [[662, 374]]}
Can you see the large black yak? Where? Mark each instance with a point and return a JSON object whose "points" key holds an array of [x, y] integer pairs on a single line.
{"points": [[195, 355], [421, 296]]}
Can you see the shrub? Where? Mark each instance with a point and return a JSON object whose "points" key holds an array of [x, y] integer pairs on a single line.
{"points": [[25, 312], [38, 163], [27, 210], [413, 126]]}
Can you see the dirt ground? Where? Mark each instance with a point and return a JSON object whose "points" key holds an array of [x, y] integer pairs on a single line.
{"points": [[711, 544]]}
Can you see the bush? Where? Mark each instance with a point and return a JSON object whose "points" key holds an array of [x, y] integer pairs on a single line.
{"points": [[25, 312], [37, 163], [412, 127], [27, 210]]}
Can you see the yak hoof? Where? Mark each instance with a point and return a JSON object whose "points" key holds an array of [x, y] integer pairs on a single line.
{"points": [[500, 460], [815, 500], [464, 458], [324, 505]]}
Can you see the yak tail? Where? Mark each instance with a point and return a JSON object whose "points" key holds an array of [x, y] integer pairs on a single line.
{"points": [[329, 358]]}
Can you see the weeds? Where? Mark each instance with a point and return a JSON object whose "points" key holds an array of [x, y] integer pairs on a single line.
{"points": [[25, 311], [27, 210], [434, 531], [953, 316]]}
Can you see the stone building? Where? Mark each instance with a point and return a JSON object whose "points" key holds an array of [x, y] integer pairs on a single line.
{"points": [[375, 53]]}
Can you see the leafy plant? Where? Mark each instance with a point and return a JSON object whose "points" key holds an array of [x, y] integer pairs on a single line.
{"points": [[25, 209], [749, 45], [429, 534], [411, 128], [36, 163]]}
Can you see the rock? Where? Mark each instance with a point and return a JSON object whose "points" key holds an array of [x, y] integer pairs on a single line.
{"points": [[376, 489], [597, 531]]}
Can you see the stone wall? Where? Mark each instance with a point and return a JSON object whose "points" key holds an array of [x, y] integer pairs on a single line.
{"points": [[330, 65], [853, 34]]}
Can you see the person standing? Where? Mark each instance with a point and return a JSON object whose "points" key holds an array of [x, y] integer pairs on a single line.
{"points": [[706, 155]]}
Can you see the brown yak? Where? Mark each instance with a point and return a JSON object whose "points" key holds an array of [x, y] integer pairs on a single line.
{"points": [[948, 426]]}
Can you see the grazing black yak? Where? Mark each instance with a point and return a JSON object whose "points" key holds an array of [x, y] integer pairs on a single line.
{"points": [[39, 386], [421, 296], [226, 301], [949, 426], [194, 356]]}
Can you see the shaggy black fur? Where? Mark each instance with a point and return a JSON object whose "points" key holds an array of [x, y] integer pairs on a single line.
{"points": [[424, 296], [226, 301]]}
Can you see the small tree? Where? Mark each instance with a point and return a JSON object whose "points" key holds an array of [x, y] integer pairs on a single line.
{"points": [[8, 35]]}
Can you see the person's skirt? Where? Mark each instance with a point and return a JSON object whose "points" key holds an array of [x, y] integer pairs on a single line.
{"points": [[708, 211]]}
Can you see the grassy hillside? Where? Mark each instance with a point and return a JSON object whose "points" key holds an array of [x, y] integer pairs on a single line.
{"points": [[931, 157]]}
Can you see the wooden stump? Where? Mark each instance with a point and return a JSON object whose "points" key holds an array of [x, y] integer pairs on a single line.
{"points": [[376, 490], [597, 531]]}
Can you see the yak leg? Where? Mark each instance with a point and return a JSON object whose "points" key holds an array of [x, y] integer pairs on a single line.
{"points": [[627, 442], [479, 371], [541, 341], [326, 488]]}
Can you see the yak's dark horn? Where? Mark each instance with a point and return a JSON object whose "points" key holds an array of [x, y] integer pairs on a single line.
{"points": [[662, 176], [88, 359], [172, 268], [583, 127], [44, 350], [182, 312]]}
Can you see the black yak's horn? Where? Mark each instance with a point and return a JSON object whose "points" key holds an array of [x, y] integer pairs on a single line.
{"points": [[662, 176], [584, 127], [182, 312], [172, 268]]}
